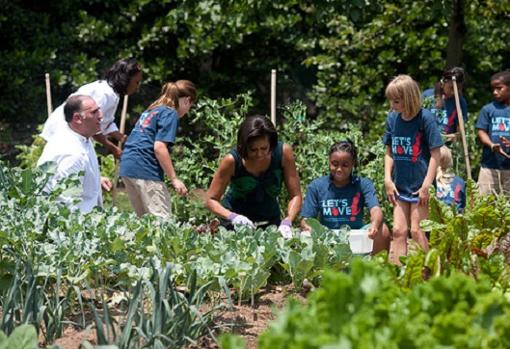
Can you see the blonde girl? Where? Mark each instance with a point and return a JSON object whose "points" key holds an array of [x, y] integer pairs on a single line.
{"points": [[146, 158], [413, 140]]}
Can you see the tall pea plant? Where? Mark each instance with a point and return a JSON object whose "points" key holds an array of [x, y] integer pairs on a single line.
{"points": [[210, 132]]}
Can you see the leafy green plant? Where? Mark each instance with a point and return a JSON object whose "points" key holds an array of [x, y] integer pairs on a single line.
{"points": [[23, 337], [366, 306]]}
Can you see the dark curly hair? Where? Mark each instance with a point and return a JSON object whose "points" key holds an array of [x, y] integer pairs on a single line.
{"points": [[119, 74]]}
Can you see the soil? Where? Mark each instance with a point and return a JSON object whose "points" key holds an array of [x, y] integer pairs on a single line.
{"points": [[244, 320]]}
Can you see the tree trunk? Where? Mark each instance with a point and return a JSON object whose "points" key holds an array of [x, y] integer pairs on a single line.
{"points": [[456, 34]]}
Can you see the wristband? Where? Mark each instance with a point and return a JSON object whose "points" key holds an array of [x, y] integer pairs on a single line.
{"points": [[492, 147], [232, 216]]}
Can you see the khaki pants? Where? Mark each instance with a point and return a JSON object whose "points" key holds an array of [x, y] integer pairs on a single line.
{"points": [[148, 196], [493, 181]]}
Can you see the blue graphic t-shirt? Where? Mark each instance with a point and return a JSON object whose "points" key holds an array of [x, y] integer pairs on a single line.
{"points": [[410, 143], [336, 206], [138, 158], [494, 119], [455, 192], [446, 117]]}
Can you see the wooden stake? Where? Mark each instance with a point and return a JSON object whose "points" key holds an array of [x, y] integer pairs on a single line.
{"points": [[48, 94], [273, 96], [461, 127], [121, 143]]}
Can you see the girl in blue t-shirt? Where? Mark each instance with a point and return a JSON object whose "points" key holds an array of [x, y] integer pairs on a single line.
{"points": [[493, 127], [413, 141], [146, 158], [339, 198]]}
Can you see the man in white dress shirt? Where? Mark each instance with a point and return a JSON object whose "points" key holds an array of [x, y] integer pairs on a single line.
{"points": [[73, 151]]}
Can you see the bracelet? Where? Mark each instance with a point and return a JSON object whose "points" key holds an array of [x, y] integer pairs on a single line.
{"points": [[492, 147]]}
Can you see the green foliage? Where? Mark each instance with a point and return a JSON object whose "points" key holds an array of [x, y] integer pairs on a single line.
{"points": [[158, 315], [463, 242], [366, 308], [23, 337], [337, 55], [209, 133]]}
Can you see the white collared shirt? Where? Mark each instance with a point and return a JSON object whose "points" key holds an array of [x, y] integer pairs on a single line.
{"points": [[74, 153], [104, 96]]}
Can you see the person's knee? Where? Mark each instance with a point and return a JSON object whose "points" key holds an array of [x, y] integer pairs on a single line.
{"points": [[399, 233], [385, 233], [416, 232]]}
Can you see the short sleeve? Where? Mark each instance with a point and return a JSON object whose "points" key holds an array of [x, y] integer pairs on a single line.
{"points": [[310, 207], [390, 122], [483, 122], [432, 130], [368, 190], [167, 125]]}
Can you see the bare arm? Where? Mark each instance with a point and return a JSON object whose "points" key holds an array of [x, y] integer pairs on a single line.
{"points": [[291, 178], [376, 221], [423, 192], [165, 161], [494, 147], [484, 138], [116, 151], [118, 136], [218, 186], [391, 189]]}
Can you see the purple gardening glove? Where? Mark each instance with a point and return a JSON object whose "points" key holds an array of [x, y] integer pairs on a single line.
{"points": [[238, 219], [285, 228]]}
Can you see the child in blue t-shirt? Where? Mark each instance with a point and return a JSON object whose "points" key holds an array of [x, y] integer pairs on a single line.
{"points": [[413, 141], [441, 102], [451, 189], [146, 158], [493, 127], [339, 198]]}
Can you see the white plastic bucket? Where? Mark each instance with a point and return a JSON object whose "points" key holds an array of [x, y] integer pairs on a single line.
{"points": [[359, 241]]}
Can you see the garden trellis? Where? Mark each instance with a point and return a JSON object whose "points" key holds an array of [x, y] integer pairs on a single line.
{"points": [[460, 117]]}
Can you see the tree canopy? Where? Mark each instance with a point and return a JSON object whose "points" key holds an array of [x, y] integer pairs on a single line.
{"points": [[336, 55]]}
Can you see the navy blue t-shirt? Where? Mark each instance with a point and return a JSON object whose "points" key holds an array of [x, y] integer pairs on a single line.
{"points": [[410, 143], [495, 120], [446, 117], [455, 192], [138, 158], [336, 206]]}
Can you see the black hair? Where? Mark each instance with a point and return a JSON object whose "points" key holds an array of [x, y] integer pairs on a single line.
{"points": [[119, 75], [73, 105], [253, 127], [346, 146], [458, 72], [503, 76]]}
